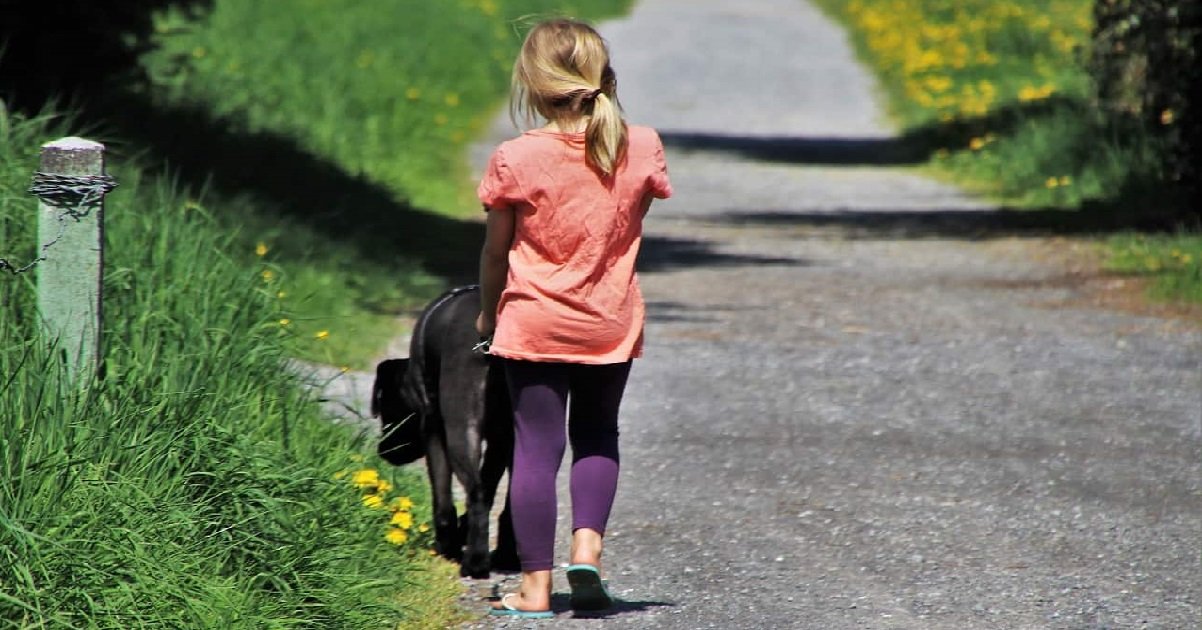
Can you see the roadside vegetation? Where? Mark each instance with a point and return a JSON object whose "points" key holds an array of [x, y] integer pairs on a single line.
{"points": [[198, 484], [1002, 96]]}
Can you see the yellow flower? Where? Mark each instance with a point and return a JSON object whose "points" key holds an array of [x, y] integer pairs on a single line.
{"points": [[344, 369], [366, 478], [396, 536], [268, 275], [373, 501], [404, 520], [976, 144], [1167, 117], [423, 528], [383, 486], [281, 295], [261, 249], [285, 321], [341, 474], [322, 335], [402, 504], [1065, 180], [451, 99], [1052, 182], [413, 94]]}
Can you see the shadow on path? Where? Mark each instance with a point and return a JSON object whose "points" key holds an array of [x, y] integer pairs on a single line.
{"points": [[948, 223], [561, 603]]}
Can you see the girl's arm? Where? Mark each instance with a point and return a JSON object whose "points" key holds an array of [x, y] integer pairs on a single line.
{"points": [[494, 266]]}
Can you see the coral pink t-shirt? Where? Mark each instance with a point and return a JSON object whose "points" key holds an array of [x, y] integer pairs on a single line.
{"points": [[571, 294]]}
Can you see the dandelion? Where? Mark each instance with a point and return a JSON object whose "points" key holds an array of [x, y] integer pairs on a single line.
{"points": [[1052, 182], [1065, 180], [402, 504], [261, 249], [344, 369], [366, 478], [322, 335], [285, 321], [383, 486], [413, 94], [423, 528], [268, 275], [397, 536], [404, 520], [281, 295], [976, 144], [451, 99], [340, 475], [373, 501], [1167, 117]]}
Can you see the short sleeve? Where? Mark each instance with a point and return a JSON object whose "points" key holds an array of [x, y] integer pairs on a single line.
{"points": [[498, 188], [660, 186]]}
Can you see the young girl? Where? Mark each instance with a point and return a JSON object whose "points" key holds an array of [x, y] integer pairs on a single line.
{"points": [[560, 298]]}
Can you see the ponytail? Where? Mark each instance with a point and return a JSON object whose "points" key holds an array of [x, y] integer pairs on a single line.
{"points": [[605, 135]]}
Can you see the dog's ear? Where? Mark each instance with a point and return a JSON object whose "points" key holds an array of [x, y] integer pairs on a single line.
{"points": [[400, 439], [389, 374]]}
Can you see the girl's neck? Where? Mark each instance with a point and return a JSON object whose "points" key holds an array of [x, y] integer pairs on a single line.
{"points": [[575, 125]]}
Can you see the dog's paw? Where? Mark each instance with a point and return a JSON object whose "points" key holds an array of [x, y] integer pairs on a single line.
{"points": [[475, 566]]}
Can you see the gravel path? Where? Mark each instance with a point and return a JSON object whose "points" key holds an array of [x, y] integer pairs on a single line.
{"points": [[863, 405]]}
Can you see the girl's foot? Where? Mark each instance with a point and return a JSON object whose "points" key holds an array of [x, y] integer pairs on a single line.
{"points": [[587, 545], [533, 595]]}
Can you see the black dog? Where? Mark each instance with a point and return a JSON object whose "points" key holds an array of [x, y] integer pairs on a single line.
{"points": [[447, 401]]}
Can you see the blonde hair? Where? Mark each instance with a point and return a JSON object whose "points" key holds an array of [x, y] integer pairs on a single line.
{"points": [[563, 73]]}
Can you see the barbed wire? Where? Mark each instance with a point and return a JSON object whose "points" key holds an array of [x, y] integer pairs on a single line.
{"points": [[73, 195]]}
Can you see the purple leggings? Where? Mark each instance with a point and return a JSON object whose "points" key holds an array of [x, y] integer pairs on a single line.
{"points": [[539, 392]]}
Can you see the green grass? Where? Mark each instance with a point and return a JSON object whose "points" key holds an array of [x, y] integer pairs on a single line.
{"points": [[194, 486], [341, 134], [997, 97], [1173, 263]]}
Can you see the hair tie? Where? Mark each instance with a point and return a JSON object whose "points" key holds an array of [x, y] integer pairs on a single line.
{"points": [[592, 96]]}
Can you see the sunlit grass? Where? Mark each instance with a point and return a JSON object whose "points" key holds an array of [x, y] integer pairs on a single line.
{"points": [[1004, 84], [1001, 91]]}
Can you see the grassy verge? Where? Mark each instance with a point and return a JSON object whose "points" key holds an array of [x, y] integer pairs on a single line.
{"points": [[997, 94], [332, 135], [196, 485]]}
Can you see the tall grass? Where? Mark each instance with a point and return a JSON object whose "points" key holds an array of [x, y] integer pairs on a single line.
{"points": [[193, 486]]}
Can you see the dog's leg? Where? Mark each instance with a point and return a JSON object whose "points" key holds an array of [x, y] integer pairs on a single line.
{"points": [[497, 459], [448, 542], [465, 443]]}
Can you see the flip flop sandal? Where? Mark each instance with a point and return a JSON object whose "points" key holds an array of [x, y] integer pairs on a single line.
{"points": [[507, 610], [589, 591]]}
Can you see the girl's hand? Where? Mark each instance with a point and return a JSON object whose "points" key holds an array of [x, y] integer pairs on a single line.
{"points": [[485, 326]]}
